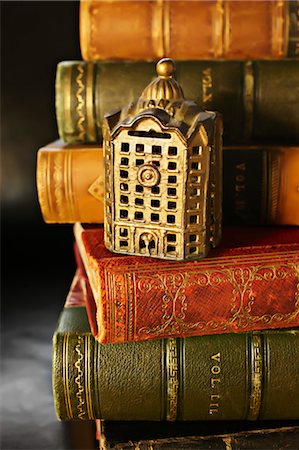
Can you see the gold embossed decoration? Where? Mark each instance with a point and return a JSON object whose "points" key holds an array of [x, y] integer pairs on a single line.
{"points": [[163, 174]]}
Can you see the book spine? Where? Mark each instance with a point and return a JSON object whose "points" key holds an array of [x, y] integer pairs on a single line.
{"points": [[220, 29], [70, 184], [260, 184], [267, 439], [258, 99], [221, 377]]}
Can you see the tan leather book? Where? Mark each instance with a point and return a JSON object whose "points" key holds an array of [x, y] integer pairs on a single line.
{"points": [[261, 184], [70, 183], [194, 29]]}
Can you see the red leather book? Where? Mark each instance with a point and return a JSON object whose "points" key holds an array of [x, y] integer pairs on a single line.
{"points": [[251, 282]]}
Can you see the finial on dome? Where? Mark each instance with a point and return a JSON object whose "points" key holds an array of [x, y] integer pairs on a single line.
{"points": [[165, 68], [164, 87]]}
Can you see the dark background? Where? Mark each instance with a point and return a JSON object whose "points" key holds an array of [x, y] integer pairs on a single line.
{"points": [[37, 260]]}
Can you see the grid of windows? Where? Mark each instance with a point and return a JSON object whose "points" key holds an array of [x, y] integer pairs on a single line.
{"points": [[156, 205]]}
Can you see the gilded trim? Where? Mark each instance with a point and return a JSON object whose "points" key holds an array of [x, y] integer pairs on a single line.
{"points": [[157, 31], [91, 135], [67, 99], [274, 186], [248, 98], [218, 28], [65, 376], [80, 103], [87, 372], [166, 27], [279, 25], [255, 400], [78, 379], [172, 379]]}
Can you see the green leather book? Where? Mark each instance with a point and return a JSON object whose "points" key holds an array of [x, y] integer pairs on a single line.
{"points": [[258, 99], [244, 376]]}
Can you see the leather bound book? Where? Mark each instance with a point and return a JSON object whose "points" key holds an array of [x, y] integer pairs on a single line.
{"points": [[258, 99], [70, 183], [129, 30], [237, 376], [260, 184], [238, 435], [249, 283]]}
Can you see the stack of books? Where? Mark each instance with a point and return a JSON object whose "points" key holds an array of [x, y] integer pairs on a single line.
{"points": [[181, 340]]}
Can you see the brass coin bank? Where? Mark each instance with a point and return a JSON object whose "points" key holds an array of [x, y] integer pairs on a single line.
{"points": [[163, 174]]}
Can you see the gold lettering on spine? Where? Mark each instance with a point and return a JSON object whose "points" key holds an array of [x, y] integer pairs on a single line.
{"points": [[79, 379], [248, 98], [89, 103], [65, 376], [69, 192], [215, 397], [172, 379], [207, 85], [226, 28], [80, 103], [255, 400]]}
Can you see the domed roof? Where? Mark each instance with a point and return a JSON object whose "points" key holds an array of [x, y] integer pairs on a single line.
{"points": [[164, 87]]}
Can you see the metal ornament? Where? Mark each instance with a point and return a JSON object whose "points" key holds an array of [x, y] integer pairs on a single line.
{"points": [[163, 174]]}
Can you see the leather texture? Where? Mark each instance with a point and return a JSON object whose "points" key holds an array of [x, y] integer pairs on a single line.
{"points": [[200, 435], [129, 381], [216, 29], [239, 289], [258, 99], [255, 177], [70, 183]]}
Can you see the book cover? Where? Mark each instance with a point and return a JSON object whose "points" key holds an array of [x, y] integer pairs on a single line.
{"points": [[258, 99], [216, 29], [239, 376], [249, 283], [260, 184]]}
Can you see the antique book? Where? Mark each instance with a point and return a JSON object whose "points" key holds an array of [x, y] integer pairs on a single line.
{"points": [[260, 184], [128, 30], [236, 376], [258, 99], [249, 283], [197, 435], [70, 183]]}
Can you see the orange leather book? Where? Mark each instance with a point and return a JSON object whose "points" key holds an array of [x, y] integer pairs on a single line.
{"points": [[70, 183], [249, 283], [260, 184], [183, 30]]}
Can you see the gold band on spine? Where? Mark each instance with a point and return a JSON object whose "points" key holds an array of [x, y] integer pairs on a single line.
{"points": [[157, 28], [248, 98], [80, 103], [255, 400], [226, 28], [87, 373], [67, 97], [218, 28], [166, 28], [91, 135], [279, 26], [274, 172], [65, 376], [172, 376], [69, 192]]}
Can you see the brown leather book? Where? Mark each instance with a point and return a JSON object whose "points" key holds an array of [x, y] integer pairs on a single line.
{"points": [[261, 184], [197, 29]]}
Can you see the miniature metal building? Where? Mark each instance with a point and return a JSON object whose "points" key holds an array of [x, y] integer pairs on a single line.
{"points": [[163, 174]]}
